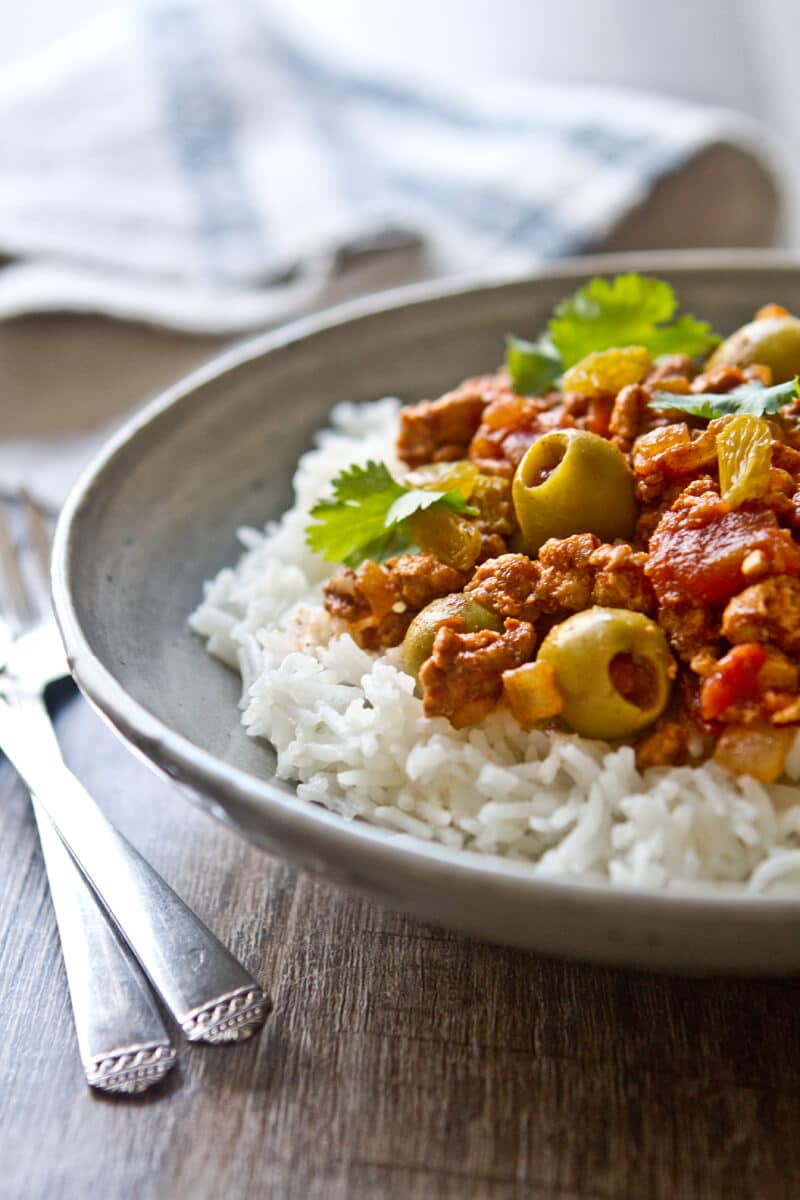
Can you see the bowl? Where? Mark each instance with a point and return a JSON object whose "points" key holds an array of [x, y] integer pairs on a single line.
{"points": [[157, 513]]}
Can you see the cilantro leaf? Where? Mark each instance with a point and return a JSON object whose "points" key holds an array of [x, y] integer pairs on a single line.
{"points": [[368, 513], [389, 545], [751, 397], [683, 336], [418, 499], [356, 516], [534, 366], [629, 310]]}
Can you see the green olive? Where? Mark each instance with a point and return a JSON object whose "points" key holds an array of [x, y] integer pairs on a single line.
{"points": [[572, 481], [613, 669], [773, 341], [420, 635]]}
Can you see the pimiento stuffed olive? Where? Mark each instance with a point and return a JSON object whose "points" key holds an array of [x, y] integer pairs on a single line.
{"points": [[572, 481], [421, 633], [613, 669], [771, 340]]}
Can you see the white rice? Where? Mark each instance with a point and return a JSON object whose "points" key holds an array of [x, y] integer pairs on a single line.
{"points": [[348, 728]]}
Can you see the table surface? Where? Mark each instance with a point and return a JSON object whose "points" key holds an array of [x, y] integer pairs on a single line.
{"points": [[400, 1060]]}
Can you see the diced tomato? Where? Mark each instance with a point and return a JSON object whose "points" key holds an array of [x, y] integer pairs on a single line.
{"points": [[734, 681], [700, 549]]}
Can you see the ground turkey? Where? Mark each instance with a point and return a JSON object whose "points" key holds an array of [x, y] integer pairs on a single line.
{"points": [[463, 678], [768, 611]]}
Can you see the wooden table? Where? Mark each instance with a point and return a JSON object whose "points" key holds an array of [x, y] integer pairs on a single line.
{"points": [[400, 1060]]}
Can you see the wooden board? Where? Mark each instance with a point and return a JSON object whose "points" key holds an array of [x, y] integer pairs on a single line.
{"points": [[400, 1060]]}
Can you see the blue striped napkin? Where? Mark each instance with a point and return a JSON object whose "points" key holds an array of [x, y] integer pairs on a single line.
{"points": [[186, 163]]}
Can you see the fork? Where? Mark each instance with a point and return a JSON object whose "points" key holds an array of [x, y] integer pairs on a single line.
{"points": [[208, 992], [123, 1045]]}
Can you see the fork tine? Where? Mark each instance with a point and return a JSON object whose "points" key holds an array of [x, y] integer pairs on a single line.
{"points": [[39, 534], [21, 612]]}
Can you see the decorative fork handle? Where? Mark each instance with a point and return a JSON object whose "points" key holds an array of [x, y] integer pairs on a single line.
{"points": [[208, 992], [123, 1044]]}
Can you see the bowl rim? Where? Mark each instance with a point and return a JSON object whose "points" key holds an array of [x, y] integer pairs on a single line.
{"points": [[319, 830]]}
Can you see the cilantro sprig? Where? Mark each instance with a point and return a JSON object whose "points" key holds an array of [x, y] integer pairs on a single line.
{"points": [[629, 310], [367, 516], [535, 367], [751, 397]]}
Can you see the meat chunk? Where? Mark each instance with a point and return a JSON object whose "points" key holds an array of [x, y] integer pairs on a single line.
{"points": [[567, 577], [780, 496], [420, 578], [463, 678], [378, 602], [786, 458], [620, 581], [779, 672], [578, 571], [507, 585], [671, 367], [768, 611], [441, 430], [630, 414], [651, 512], [492, 546], [691, 627], [718, 380], [666, 746]]}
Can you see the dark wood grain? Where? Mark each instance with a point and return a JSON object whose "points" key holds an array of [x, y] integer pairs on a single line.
{"points": [[400, 1060]]}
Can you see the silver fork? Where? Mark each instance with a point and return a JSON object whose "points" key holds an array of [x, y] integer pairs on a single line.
{"points": [[208, 993], [123, 1045]]}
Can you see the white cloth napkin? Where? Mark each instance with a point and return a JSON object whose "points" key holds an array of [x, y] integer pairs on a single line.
{"points": [[185, 163]]}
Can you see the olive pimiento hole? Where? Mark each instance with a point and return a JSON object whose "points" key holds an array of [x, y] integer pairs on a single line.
{"points": [[636, 679], [550, 454]]}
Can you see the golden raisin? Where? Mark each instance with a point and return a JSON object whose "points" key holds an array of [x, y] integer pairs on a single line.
{"points": [[607, 371], [744, 451]]}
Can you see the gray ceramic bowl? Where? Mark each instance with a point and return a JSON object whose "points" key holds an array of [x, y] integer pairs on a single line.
{"points": [[157, 514]]}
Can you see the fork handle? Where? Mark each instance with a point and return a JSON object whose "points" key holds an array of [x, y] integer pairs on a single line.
{"points": [[122, 1041], [206, 989]]}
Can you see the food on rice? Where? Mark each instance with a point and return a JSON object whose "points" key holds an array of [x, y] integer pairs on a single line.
{"points": [[562, 584]]}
